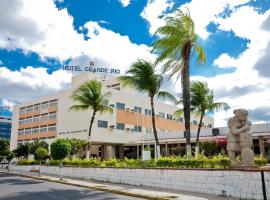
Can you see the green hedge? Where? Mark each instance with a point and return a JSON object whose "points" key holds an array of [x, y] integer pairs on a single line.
{"points": [[217, 162], [28, 162]]}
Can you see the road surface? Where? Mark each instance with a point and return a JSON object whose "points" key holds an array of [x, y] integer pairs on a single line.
{"points": [[14, 187]]}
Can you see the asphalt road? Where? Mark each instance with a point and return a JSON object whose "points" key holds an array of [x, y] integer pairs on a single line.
{"points": [[19, 188]]}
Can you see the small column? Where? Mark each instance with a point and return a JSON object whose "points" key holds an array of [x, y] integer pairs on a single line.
{"points": [[121, 151], [261, 145], [104, 152], [166, 148]]}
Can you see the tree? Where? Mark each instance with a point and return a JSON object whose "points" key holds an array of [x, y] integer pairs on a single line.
{"points": [[142, 77], [41, 154], [60, 149], [22, 150], [176, 43], [33, 147], [4, 147], [76, 145], [202, 102], [90, 96], [9, 157]]}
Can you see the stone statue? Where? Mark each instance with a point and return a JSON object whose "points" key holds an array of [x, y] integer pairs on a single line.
{"points": [[240, 139]]}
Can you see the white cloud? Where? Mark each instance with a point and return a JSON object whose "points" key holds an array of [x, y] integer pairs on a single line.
{"points": [[152, 12], [125, 3], [224, 60], [6, 103], [30, 83]]}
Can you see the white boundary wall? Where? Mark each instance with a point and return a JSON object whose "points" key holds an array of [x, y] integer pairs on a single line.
{"points": [[239, 184]]}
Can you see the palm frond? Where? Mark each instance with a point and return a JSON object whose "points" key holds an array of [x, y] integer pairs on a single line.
{"points": [[167, 96]]}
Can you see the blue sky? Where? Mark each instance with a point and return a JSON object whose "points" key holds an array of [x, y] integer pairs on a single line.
{"points": [[76, 31]]}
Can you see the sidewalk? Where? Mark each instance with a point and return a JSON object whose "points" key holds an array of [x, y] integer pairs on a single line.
{"points": [[134, 191]]}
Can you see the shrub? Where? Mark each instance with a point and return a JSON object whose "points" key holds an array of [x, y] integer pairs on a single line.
{"points": [[210, 148], [260, 160], [28, 162]]}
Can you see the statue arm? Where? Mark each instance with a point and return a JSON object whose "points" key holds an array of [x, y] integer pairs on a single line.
{"points": [[236, 131]]}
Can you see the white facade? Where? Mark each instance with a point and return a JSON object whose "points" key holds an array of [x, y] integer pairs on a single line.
{"points": [[49, 117]]}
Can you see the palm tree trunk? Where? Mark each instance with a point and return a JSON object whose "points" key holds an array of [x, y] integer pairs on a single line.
{"points": [[157, 149], [186, 96], [89, 134], [198, 136]]}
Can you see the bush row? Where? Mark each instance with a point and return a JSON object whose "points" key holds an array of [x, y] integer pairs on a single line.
{"points": [[218, 162]]}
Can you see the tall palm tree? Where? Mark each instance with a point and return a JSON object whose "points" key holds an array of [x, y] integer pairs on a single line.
{"points": [[89, 96], [202, 102], [176, 44], [142, 77]]}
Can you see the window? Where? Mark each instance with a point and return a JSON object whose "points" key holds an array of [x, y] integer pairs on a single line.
{"points": [[148, 130], [22, 111], [28, 120], [148, 112], [44, 106], [181, 119], [37, 107], [27, 131], [43, 129], [36, 119], [137, 128], [195, 122], [20, 132], [102, 124], [137, 109], [21, 121], [53, 104], [120, 126], [52, 116], [209, 125], [29, 109], [106, 102], [170, 117], [44, 118], [35, 130], [115, 85], [51, 128], [161, 114], [120, 106]]}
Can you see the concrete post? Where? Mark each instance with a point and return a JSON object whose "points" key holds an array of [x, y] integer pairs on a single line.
{"points": [[166, 148], [121, 151], [261, 145]]}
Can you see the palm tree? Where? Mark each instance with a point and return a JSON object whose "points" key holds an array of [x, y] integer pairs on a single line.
{"points": [[176, 44], [202, 102], [142, 77], [89, 96]]}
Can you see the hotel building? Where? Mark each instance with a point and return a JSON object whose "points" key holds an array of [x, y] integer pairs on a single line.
{"points": [[113, 135]]}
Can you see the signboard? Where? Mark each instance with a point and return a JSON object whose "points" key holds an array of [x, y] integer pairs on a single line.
{"points": [[91, 68], [146, 155]]}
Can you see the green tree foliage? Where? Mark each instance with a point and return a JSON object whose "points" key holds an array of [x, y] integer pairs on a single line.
{"points": [[142, 77], [60, 149], [33, 147], [22, 150], [210, 148], [41, 153], [4, 147], [176, 43], [76, 145]]}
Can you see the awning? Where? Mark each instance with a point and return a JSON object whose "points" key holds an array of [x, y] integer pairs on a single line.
{"points": [[222, 140]]}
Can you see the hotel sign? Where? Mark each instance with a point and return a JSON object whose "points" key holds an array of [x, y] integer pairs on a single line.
{"points": [[91, 68]]}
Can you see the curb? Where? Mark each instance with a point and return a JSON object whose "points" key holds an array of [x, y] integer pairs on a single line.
{"points": [[99, 188]]}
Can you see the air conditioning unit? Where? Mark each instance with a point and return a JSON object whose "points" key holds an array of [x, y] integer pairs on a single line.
{"points": [[128, 109], [127, 129], [215, 131], [112, 126], [112, 105], [132, 110]]}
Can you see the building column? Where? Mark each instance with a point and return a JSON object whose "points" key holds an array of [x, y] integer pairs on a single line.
{"points": [[104, 152], [121, 151], [261, 145], [166, 148]]}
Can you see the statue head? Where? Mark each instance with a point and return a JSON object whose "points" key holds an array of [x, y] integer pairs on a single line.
{"points": [[241, 114]]}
